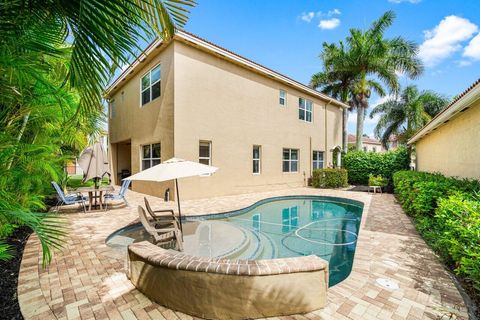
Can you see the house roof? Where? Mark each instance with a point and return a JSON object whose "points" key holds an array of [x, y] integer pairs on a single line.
{"points": [[226, 54], [461, 103], [352, 139]]}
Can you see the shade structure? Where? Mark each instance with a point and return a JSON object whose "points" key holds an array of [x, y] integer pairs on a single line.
{"points": [[173, 169], [94, 162]]}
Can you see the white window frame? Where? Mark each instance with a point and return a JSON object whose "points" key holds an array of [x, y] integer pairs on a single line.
{"points": [[151, 155], [284, 98], [318, 162], [305, 107], [149, 73], [290, 161], [259, 159], [209, 158]]}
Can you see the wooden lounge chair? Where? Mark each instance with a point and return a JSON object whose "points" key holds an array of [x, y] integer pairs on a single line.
{"points": [[162, 236], [162, 218]]}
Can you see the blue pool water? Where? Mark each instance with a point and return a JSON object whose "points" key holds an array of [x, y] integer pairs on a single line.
{"points": [[274, 228]]}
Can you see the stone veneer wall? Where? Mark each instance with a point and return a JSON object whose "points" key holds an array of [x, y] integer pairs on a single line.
{"points": [[228, 289]]}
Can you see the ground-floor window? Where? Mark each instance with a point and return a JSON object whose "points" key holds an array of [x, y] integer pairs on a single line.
{"points": [[150, 155], [205, 152], [256, 159], [317, 160], [290, 160]]}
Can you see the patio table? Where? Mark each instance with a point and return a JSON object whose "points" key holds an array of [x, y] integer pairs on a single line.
{"points": [[94, 194]]}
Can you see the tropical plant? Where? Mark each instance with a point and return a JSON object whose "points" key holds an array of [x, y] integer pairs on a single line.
{"points": [[375, 62], [55, 59], [336, 79], [404, 114]]}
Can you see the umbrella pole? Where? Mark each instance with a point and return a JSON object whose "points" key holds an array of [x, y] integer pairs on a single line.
{"points": [[178, 203]]}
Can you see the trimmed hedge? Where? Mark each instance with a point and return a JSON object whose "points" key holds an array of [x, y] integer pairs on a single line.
{"points": [[329, 178], [361, 165], [446, 212], [418, 192]]}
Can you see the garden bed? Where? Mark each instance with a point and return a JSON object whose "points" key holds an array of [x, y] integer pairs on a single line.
{"points": [[9, 275]]}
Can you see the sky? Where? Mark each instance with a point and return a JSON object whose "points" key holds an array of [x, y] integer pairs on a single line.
{"points": [[287, 35]]}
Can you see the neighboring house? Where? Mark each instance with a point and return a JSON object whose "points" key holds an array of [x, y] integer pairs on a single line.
{"points": [[72, 168], [369, 144], [448, 143], [188, 98]]}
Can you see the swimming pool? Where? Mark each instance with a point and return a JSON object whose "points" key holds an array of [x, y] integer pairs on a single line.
{"points": [[272, 228]]}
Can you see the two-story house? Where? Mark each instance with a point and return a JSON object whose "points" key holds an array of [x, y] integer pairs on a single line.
{"points": [[188, 98]]}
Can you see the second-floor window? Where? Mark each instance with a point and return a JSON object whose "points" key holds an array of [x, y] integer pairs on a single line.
{"points": [[282, 96], [151, 85], [305, 109], [205, 152], [150, 155], [317, 160], [290, 160], [256, 159]]}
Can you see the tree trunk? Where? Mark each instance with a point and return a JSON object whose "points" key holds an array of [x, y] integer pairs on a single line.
{"points": [[360, 120], [345, 130], [20, 135]]}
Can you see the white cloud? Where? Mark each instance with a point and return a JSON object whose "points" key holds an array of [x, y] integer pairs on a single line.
{"points": [[329, 24], [472, 50], [445, 39], [400, 1], [307, 16], [334, 12]]}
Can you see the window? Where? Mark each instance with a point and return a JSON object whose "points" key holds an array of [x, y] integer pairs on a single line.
{"points": [[151, 85], [256, 222], [112, 109], [317, 160], [256, 159], [289, 219], [290, 160], [205, 152], [305, 108], [374, 149], [282, 97], [150, 155], [364, 149]]}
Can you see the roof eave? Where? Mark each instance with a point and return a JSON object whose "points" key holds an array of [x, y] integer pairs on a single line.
{"points": [[182, 35], [458, 106]]}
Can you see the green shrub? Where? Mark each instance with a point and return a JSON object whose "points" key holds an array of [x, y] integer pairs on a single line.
{"points": [[329, 178], [446, 212], [418, 192], [361, 165], [377, 181]]}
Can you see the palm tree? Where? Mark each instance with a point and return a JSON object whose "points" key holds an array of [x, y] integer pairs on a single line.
{"points": [[404, 115], [375, 61], [56, 57], [336, 80]]}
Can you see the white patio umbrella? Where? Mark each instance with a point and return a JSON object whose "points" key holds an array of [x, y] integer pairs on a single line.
{"points": [[94, 162], [173, 169]]}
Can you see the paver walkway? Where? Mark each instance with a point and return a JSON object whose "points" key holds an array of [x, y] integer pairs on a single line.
{"points": [[87, 280]]}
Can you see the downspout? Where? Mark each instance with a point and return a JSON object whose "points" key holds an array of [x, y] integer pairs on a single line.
{"points": [[326, 132]]}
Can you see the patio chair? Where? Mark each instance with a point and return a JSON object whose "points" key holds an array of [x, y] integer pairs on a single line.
{"points": [[68, 199], [161, 236], [166, 219], [118, 196]]}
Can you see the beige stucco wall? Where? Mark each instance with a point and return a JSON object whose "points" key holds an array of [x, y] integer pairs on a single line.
{"points": [[235, 108], [452, 149], [151, 123], [207, 98]]}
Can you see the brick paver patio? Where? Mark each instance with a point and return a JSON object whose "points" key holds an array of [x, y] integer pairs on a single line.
{"points": [[87, 280]]}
